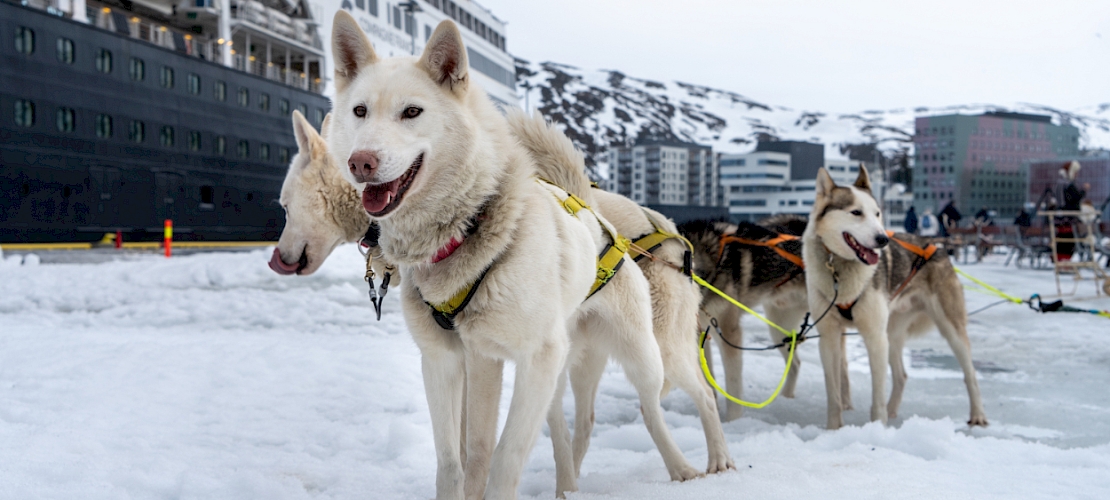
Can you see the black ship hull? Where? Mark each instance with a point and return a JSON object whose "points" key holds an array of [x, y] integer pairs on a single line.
{"points": [[86, 151]]}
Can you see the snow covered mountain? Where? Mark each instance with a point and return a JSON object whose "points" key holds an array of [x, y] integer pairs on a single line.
{"points": [[601, 107]]}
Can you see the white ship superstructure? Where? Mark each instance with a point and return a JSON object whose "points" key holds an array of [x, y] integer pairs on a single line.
{"points": [[400, 28]]}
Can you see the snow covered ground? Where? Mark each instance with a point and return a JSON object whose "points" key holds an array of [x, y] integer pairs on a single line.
{"points": [[208, 376]]}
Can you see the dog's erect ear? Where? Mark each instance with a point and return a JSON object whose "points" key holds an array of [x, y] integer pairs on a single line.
{"points": [[825, 183], [863, 182], [351, 48], [445, 58], [308, 140], [324, 126]]}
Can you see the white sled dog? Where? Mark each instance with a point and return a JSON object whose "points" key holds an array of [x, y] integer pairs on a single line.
{"points": [[328, 210], [850, 275], [495, 264]]}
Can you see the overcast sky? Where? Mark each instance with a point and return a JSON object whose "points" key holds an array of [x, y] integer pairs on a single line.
{"points": [[847, 55]]}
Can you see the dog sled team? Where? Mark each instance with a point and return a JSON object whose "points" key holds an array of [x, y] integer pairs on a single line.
{"points": [[501, 250]]}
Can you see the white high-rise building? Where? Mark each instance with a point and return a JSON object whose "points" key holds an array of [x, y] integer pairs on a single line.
{"points": [[759, 184]]}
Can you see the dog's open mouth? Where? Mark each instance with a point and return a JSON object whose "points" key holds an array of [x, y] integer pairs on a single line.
{"points": [[866, 255], [379, 200]]}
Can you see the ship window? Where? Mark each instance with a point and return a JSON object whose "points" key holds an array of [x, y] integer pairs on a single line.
{"points": [[207, 194], [319, 116], [244, 96], [194, 84], [283, 155], [264, 152], [220, 91], [250, 196], [427, 33], [24, 113], [220, 145], [244, 149], [167, 77], [396, 17], [284, 107], [165, 136], [137, 131], [25, 40], [65, 50], [361, 4], [103, 126], [104, 61], [137, 69], [65, 120], [194, 141], [303, 108], [264, 102], [372, 7]]}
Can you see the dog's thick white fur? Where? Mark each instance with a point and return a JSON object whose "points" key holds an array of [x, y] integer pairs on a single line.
{"points": [[843, 248], [443, 158], [674, 300]]}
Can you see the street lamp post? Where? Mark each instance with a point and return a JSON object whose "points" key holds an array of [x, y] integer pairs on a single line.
{"points": [[411, 8]]}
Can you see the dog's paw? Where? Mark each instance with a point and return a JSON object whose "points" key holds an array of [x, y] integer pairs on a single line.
{"points": [[847, 406], [892, 414], [980, 420], [720, 464], [685, 472]]}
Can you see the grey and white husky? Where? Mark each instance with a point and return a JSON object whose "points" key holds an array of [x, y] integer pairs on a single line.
{"points": [[852, 263]]}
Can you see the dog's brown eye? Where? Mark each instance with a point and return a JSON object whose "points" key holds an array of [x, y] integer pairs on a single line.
{"points": [[411, 112], [360, 111], [857, 213]]}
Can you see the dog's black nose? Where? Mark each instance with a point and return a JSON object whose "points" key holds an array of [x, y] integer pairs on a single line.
{"points": [[881, 241]]}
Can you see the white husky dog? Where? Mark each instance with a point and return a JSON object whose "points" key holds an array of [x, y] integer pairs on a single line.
{"points": [[493, 266], [850, 275], [324, 208]]}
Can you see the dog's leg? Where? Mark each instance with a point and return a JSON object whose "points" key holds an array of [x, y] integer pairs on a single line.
{"points": [[732, 358], [845, 380], [483, 395], [584, 379], [790, 318], [444, 376], [832, 362], [871, 315], [565, 473], [898, 375], [951, 320], [536, 377]]}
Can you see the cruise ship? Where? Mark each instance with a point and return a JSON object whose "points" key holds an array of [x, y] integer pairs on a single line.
{"points": [[120, 114]]}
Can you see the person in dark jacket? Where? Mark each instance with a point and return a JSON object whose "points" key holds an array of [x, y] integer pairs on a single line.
{"points": [[910, 224], [949, 216]]}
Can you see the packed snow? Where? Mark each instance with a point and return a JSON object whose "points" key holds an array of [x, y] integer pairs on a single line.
{"points": [[208, 376]]}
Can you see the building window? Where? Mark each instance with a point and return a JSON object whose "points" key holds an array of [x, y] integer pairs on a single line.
{"points": [[283, 106], [65, 50], [137, 69], [167, 77], [219, 90], [264, 152], [103, 126], [194, 84], [24, 113], [264, 102], [165, 136], [104, 61], [194, 141], [244, 97], [372, 7], [220, 145], [66, 119], [137, 131], [25, 40], [283, 155], [244, 149]]}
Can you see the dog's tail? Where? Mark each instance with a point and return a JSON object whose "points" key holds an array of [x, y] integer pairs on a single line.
{"points": [[556, 158]]}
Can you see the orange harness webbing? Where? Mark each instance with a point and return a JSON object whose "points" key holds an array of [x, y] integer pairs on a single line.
{"points": [[772, 243]]}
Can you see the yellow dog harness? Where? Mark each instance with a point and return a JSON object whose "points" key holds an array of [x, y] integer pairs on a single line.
{"points": [[608, 262]]}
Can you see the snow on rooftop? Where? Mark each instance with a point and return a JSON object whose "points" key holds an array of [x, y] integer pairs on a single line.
{"points": [[209, 376]]}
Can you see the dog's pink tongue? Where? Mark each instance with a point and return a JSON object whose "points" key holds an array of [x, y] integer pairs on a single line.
{"points": [[376, 198], [871, 257]]}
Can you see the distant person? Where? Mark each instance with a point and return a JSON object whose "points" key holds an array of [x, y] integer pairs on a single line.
{"points": [[910, 224], [930, 226], [984, 218], [1023, 218], [949, 218], [1073, 198]]}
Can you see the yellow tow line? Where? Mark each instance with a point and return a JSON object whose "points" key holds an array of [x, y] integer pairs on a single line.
{"points": [[705, 364]]}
